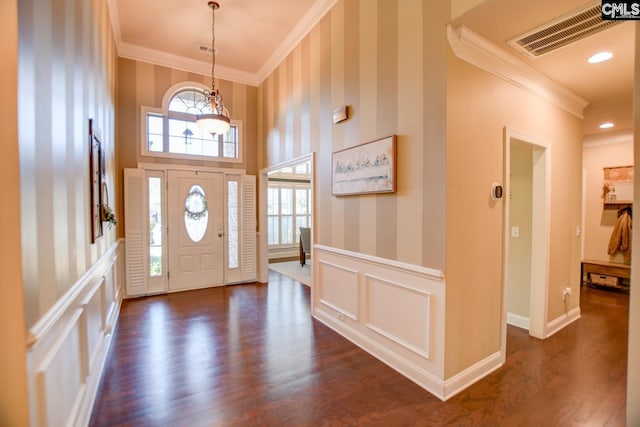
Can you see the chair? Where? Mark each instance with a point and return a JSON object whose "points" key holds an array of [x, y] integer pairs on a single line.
{"points": [[305, 244]]}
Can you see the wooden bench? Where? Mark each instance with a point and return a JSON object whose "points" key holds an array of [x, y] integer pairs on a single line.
{"points": [[605, 273]]}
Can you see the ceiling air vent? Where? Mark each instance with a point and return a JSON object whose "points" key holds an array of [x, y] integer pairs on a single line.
{"points": [[562, 31]]}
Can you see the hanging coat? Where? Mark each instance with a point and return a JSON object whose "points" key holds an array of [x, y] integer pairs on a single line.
{"points": [[621, 237]]}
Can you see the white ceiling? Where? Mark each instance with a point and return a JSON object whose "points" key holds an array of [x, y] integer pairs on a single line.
{"points": [[253, 36]]}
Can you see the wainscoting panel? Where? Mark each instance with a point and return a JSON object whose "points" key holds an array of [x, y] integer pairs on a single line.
{"points": [[69, 344], [93, 306], [382, 294], [393, 310], [340, 290], [62, 368]]}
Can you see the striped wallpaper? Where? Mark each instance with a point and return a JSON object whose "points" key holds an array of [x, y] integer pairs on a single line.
{"points": [[143, 84], [390, 62], [67, 65], [386, 61]]}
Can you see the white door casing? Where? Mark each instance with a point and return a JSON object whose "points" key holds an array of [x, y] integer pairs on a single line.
{"points": [[195, 263], [540, 231]]}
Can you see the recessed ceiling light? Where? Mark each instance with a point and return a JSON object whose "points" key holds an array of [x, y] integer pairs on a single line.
{"points": [[600, 57], [606, 125]]}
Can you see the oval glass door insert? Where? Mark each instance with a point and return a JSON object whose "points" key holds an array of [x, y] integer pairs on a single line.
{"points": [[196, 214]]}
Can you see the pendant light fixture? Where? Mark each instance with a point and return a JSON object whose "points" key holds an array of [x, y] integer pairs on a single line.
{"points": [[216, 121]]}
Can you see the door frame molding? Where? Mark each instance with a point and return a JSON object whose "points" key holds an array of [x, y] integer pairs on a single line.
{"points": [[263, 252], [167, 166], [540, 231]]}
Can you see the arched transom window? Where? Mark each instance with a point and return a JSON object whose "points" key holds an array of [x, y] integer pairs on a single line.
{"points": [[172, 131]]}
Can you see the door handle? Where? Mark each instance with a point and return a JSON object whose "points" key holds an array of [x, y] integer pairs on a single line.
{"points": [[220, 234]]}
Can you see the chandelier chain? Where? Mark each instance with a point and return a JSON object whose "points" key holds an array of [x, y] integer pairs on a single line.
{"points": [[213, 47], [216, 121]]}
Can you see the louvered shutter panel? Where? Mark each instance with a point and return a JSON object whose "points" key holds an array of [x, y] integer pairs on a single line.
{"points": [[249, 244], [134, 230]]}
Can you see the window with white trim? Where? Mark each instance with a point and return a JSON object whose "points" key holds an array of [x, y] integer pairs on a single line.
{"points": [[288, 205], [172, 130]]}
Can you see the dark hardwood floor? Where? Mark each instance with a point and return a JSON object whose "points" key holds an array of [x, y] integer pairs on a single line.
{"points": [[251, 355]]}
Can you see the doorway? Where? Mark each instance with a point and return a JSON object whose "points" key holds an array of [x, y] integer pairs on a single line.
{"points": [[527, 232], [286, 204]]}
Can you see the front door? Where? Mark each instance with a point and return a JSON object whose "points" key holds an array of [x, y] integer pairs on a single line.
{"points": [[195, 230]]}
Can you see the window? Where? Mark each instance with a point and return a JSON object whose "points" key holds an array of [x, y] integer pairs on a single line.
{"points": [[196, 213], [288, 204], [288, 208], [155, 226], [172, 131], [233, 224]]}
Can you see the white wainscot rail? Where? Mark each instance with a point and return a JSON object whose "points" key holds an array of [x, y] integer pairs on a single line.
{"points": [[392, 310], [67, 348]]}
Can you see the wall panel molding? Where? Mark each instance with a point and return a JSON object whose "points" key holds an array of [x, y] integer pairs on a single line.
{"points": [[416, 312], [62, 364], [341, 289], [392, 310], [69, 345], [52, 317]]}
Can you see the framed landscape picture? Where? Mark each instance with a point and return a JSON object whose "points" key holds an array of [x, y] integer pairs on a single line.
{"points": [[365, 168]]}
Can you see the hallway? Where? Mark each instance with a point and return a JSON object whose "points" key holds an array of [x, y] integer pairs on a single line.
{"points": [[251, 355]]}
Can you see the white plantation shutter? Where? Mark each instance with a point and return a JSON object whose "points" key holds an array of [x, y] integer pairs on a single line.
{"points": [[249, 244], [135, 232]]}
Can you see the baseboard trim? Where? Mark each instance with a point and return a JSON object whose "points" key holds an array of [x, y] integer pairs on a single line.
{"points": [[464, 379], [562, 321], [414, 373], [518, 321]]}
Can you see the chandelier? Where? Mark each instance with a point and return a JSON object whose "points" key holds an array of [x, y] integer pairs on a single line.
{"points": [[217, 120]]}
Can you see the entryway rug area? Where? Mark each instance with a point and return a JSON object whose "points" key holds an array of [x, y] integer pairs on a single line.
{"points": [[294, 270]]}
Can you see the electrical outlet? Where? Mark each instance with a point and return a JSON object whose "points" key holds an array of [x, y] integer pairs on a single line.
{"points": [[566, 292]]}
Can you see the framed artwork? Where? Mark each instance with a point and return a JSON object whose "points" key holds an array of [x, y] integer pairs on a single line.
{"points": [[365, 168], [95, 175], [618, 185]]}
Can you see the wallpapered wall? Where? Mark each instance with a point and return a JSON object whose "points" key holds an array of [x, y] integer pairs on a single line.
{"points": [[67, 69], [143, 84], [386, 61]]}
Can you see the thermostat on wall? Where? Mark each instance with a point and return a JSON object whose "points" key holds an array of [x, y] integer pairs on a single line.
{"points": [[496, 191]]}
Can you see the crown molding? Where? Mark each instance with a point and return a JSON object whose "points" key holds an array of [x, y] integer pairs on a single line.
{"points": [[144, 54], [600, 140], [478, 51], [139, 53], [304, 26]]}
